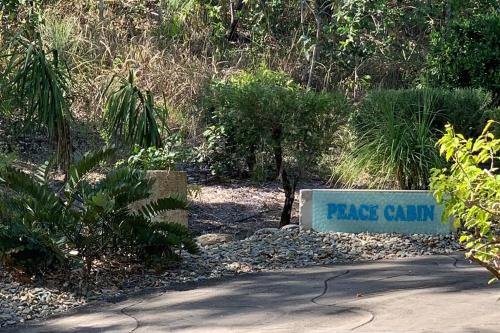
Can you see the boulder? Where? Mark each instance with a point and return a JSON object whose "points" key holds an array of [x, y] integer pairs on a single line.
{"points": [[212, 239]]}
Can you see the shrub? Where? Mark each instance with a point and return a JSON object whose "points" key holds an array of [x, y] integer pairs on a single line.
{"points": [[88, 217], [394, 133], [467, 54], [265, 113], [165, 158], [470, 190]]}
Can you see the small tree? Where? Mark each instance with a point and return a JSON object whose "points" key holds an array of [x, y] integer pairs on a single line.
{"points": [[130, 113], [39, 85], [265, 113], [470, 189]]}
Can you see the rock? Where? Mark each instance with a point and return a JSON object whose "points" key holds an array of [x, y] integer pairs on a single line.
{"points": [[266, 231], [291, 227], [212, 239]]}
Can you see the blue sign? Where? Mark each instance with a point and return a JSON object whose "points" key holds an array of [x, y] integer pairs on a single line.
{"points": [[408, 212]]}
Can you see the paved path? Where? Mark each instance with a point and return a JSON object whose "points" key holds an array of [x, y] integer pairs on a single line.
{"points": [[426, 294]]}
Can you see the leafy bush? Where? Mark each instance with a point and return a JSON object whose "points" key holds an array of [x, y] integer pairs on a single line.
{"points": [[85, 216], [265, 113], [470, 189], [130, 114], [395, 132], [467, 54], [152, 158], [166, 158]]}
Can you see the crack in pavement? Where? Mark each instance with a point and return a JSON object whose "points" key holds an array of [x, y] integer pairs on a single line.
{"points": [[325, 286], [137, 321], [343, 308], [124, 312]]}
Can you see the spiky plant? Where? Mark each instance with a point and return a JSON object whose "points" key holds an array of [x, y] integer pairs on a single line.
{"points": [[88, 217], [39, 85], [130, 114]]}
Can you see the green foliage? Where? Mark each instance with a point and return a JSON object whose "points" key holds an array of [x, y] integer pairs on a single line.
{"points": [[6, 160], [265, 113], [88, 217], [470, 190], [38, 83], [26, 247], [467, 54], [257, 112], [395, 131], [130, 114], [166, 158], [61, 34]]}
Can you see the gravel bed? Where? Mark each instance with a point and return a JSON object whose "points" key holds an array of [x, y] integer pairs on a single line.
{"points": [[277, 249], [267, 249], [20, 301]]}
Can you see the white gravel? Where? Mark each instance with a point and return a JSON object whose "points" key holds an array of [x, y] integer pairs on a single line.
{"points": [[21, 301], [268, 249]]}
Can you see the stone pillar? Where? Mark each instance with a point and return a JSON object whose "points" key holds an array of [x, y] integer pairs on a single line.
{"points": [[167, 184]]}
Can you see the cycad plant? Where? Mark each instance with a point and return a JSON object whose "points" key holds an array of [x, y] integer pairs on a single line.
{"points": [[130, 114], [84, 218], [38, 83]]}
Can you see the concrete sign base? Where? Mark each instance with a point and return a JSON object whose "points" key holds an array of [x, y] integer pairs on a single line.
{"points": [[379, 211]]}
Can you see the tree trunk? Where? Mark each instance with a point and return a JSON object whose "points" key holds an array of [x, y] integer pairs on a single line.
{"points": [[289, 186], [277, 150], [234, 7], [289, 183], [251, 160], [64, 146]]}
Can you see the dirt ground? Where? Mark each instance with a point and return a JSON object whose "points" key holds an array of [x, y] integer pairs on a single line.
{"points": [[240, 208]]}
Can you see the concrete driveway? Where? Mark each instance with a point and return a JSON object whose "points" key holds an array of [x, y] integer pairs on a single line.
{"points": [[424, 294]]}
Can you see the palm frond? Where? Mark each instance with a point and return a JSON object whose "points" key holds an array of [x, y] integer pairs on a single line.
{"points": [[160, 206], [129, 113], [41, 173], [87, 163], [40, 85]]}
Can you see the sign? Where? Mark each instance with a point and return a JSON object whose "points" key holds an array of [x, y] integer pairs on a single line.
{"points": [[407, 212]]}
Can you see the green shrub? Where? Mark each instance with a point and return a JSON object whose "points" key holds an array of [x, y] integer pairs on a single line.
{"points": [[394, 133], [470, 190], [90, 218], [166, 158], [264, 113], [467, 54]]}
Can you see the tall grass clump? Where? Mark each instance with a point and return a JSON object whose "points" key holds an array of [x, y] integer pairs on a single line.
{"points": [[62, 35], [394, 134], [394, 141]]}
